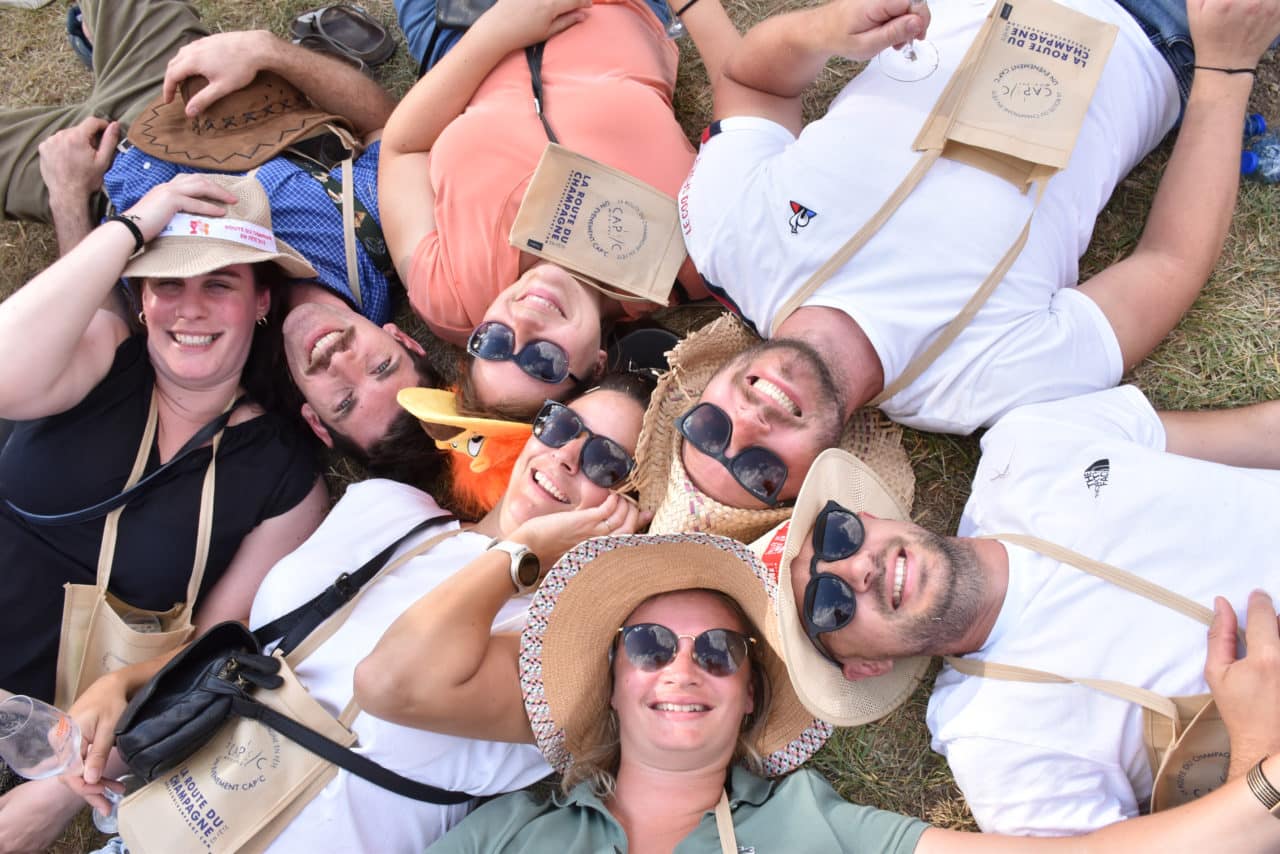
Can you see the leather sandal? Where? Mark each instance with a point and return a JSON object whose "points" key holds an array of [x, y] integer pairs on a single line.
{"points": [[346, 31]]}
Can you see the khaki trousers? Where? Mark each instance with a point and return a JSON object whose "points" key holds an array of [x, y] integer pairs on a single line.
{"points": [[133, 40]]}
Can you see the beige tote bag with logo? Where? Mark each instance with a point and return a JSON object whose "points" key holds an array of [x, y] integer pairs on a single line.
{"points": [[614, 232], [244, 786], [101, 632], [1013, 108], [1186, 740]]}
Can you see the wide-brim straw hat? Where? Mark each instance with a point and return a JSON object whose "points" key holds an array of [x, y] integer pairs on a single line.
{"points": [[194, 245], [665, 488], [575, 616], [839, 476], [235, 133]]}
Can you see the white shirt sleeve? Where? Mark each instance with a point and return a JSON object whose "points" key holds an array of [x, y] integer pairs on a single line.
{"points": [[1122, 412], [1026, 790]]}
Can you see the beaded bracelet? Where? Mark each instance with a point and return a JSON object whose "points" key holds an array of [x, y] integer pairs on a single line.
{"points": [[138, 240]]}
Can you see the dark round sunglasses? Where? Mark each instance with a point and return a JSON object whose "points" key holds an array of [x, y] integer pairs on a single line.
{"points": [[829, 602], [603, 461], [543, 360], [650, 647], [758, 470]]}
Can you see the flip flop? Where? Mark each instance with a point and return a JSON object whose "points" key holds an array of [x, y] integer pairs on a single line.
{"points": [[75, 35], [348, 30]]}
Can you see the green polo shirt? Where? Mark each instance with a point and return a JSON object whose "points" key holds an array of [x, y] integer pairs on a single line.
{"points": [[798, 813]]}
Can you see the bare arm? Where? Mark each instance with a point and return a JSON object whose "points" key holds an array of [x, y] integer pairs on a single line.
{"points": [[230, 61], [1146, 294], [437, 99], [48, 373], [1248, 436], [469, 684], [265, 545], [73, 162], [781, 57]]}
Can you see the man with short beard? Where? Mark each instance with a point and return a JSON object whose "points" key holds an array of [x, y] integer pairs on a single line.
{"points": [[769, 200], [1185, 500]]}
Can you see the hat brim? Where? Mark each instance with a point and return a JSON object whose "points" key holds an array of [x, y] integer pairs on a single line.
{"points": [[194, 256], [564, 664], [440, 406], [821, 686]]}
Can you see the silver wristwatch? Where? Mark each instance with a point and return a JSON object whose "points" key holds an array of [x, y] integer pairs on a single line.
{"points": [[525, 566]]}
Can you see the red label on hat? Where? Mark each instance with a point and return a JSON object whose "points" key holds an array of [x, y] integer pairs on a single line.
{"points": [[772, 555]]}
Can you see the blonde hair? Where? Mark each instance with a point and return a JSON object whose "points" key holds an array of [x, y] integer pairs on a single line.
{"points": [[596, 763]]}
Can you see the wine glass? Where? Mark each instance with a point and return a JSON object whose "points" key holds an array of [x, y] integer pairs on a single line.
{"points": [[39, 741], [916, 60], [675, 26]]}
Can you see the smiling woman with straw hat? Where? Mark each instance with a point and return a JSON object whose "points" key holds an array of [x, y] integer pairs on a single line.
{"points": [[652, 679], [109, 482]]}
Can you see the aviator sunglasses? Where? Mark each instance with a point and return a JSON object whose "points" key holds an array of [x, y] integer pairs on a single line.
{"points": [[543, 360], [604, 462], [758, 470], [829, 603], [650, 647]]}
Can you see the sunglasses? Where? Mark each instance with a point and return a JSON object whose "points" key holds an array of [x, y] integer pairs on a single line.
{"points": [[758, 470], [603, 461], [546, 362], [829, 603], [650, 647]]}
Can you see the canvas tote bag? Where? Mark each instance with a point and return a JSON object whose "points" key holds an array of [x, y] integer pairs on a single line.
{"points": [[1013, 108], [614, 232], [101, 632], [1186, 740], [244, 786]]}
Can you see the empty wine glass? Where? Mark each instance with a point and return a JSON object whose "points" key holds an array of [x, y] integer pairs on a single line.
{"points": [[916, 60], [39, 741], [675, 26]]}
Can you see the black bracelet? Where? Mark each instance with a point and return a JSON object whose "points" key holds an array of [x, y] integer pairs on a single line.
{"points": [[685, 8], [138, 240], [1223, 70]]}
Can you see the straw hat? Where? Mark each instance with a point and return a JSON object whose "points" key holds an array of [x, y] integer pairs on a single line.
{"points": [[842, 477], [576, 613], [194, 245], [665, 487], [236, 132]]}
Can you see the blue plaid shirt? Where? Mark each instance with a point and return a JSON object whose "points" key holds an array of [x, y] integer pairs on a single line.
{"points": [[302, 215]]}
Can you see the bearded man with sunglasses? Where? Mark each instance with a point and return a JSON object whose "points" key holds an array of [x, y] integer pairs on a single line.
{"points": [[766, 205], [1183, 500]]}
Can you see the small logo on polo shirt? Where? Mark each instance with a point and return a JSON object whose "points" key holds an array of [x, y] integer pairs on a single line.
{"points": [[800, 217], [1095, 476]]}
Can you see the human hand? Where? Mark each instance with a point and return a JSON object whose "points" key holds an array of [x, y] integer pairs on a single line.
{"points": [[194, 194], [550, 536], [228, 61], [859, 29], [73, 160], [1247, 690], [1232, 33], [515, 24]]}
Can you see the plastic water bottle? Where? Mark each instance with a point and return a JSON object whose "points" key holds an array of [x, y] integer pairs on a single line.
{"points": [[1261, 160], [1254, 125]]}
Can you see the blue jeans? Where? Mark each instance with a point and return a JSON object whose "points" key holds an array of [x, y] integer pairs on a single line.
{"points": [[1165, 23], [427, 44]]}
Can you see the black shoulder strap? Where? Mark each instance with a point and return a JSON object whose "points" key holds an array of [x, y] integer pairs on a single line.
{"points": [[344, 757], [294, 626], [533, 54], [102, 508]]}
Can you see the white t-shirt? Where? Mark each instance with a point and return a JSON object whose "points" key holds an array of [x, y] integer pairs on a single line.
{"points": [[351, 813], [1032, 340], [1091, 474]]}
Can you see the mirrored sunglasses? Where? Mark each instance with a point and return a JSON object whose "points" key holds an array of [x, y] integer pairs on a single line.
{"points": [[543, 360], [651, 646], [758, 470], [604, 462], [829, 602]]}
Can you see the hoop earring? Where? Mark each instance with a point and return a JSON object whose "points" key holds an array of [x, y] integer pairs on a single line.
{"points": [[262, 321], [142, 318]]}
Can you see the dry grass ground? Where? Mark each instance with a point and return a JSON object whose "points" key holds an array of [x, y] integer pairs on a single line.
{"points": [[1224, 353]]}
